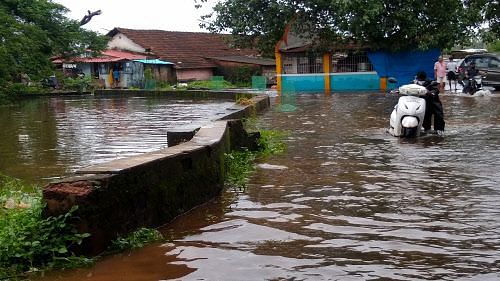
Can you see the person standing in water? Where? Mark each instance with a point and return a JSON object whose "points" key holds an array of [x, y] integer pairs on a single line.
{"points": [[116, 77], [451, 74], [433, 105], [440, 73]]}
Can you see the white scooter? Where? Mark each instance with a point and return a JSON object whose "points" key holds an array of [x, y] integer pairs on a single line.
{"points": [[408, 114]]}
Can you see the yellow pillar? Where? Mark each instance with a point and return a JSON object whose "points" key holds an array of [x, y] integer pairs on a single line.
{"points": [[383, 84], [279, 71], [326, 71]]}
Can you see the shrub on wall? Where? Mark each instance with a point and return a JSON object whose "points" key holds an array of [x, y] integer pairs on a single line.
{"points": [[241, 75], [240, 164]]}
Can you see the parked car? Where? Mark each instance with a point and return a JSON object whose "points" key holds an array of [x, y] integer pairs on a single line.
{"points": [[489, 66]]}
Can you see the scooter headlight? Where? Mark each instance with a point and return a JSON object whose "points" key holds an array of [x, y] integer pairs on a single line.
{"points": [[409, 122]]}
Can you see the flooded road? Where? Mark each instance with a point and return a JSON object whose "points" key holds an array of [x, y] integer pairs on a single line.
{"points": [[47, 138], [353, 204]]}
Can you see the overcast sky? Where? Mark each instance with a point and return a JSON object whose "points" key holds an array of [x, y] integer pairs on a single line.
{"points": [[172, 15]]}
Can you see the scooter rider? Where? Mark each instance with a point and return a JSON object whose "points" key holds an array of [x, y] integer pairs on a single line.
{"points": [[432, 104], [469, 75], [472, 70]]}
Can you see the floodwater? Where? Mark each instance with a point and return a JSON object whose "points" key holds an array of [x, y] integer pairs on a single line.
{"points": [[46, 138], [352, 204]]}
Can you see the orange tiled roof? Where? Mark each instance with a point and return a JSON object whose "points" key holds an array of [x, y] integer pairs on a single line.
{"points": [[185, 49]]}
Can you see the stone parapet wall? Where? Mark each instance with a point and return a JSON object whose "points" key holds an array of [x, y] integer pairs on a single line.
{"points": [[150, 189], [147, 190], [185, 133], [181, 94]]}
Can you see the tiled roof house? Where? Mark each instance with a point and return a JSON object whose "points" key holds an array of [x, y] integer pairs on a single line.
{"points": [[196, 55]]}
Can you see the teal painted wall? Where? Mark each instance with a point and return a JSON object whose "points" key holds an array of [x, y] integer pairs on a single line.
{"points": [[360, 81], [303, 83], [354, 81]]}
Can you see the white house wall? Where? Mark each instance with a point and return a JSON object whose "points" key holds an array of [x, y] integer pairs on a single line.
{"points": [[122, 42]]}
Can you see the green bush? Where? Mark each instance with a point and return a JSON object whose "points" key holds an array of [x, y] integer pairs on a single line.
{"points": [[208, 84], [28, 241], [14, 89], [241, 75], [162, 85], [240, 164], [78, 84], [271, 142], [494, 46], [135, 240]]}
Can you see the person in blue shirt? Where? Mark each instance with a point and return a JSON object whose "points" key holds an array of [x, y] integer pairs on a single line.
{"points": [[116, 77]]}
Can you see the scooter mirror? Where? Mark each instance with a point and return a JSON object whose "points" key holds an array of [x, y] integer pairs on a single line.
{"points": [[392, 80]]}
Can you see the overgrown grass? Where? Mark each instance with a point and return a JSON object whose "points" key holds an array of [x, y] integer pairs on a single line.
{"points": [[135, 240], [28, 241], [271, 142], [245, 101], [240, 164], [209, 84]]}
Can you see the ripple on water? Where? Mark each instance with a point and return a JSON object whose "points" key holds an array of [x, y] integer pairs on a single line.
{"points": [[355, 203], [63, 134]]}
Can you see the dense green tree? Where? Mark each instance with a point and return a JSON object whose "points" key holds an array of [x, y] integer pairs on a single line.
{"points": [[491, 10], [32, 31], [494, 46], [258, 22], [381, 24]]}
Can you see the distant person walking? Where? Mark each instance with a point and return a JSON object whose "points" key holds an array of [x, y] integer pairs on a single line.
{"points": [[451, 74], [116, 77], [440, 73]]}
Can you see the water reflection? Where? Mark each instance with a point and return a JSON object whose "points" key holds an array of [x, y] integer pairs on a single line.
{"points": [[353, 204], [50, 137]]}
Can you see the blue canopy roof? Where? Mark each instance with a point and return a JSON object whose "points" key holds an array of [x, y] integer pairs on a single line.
{"points": [[153, 61]]}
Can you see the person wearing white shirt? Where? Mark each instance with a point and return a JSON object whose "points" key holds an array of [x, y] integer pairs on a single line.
{"points": [[451, 74]]}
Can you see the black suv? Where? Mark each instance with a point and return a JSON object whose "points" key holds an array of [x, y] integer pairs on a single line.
{"points": [[488, 64]]}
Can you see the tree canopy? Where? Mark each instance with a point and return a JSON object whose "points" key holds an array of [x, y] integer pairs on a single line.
{"points": [[380, 24], [32, 31]]}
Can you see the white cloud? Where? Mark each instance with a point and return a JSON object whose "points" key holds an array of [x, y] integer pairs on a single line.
{"points": [[173, 15]]}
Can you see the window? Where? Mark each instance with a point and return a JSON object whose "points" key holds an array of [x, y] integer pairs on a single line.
{"points": [[482, 62], [351, 62], [288, 65], [494, 63], [302, 64], [340, 62]]}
